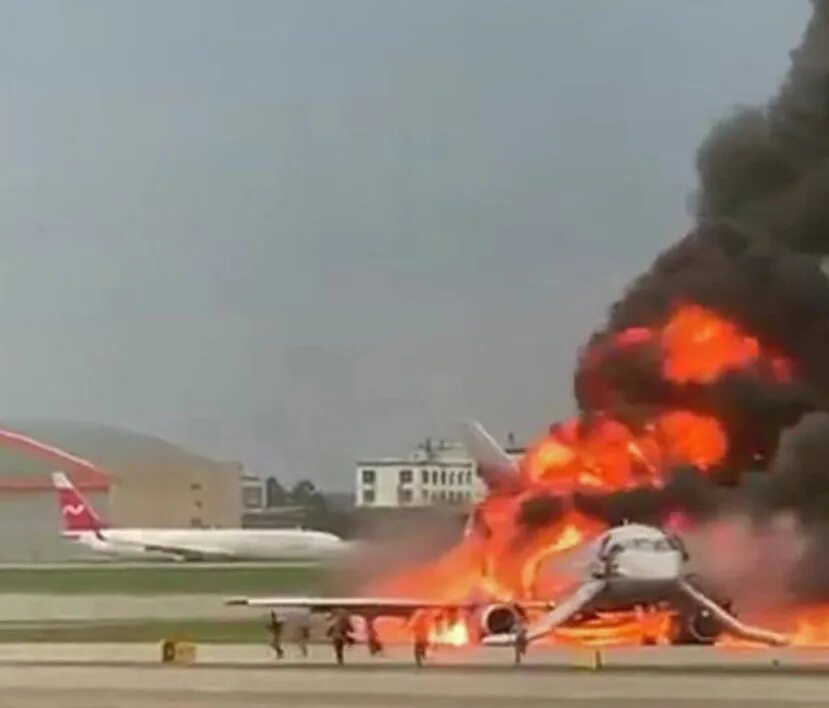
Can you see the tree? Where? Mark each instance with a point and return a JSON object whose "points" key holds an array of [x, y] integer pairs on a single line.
{"points": [[306, 494], [275, 494]]}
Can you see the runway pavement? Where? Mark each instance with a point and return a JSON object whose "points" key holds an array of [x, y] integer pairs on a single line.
{"points": [[74, 677]]}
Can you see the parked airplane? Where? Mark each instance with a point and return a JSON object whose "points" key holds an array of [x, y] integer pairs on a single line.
{"points": [[83, 526], [629, 566]]}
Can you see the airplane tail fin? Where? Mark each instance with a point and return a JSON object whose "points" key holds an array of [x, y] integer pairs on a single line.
{"points": [[495, 466], [76, 512]]}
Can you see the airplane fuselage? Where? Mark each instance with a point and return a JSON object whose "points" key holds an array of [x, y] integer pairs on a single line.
{"points": [[210, 544]]}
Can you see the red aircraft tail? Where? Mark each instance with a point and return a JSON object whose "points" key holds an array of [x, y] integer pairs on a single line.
{"points": [[76, 512]]}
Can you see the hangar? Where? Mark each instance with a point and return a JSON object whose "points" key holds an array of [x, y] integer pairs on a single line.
{"points": [[132, 479]]}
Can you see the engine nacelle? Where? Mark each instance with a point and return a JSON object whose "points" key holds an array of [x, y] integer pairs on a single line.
{"points": [[501, 619]]}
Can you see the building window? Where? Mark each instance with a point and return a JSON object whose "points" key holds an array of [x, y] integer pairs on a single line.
{"points": [[368, 496], [434, 476], [469, 476], [195, 486], [405, 496], [369, 476], [405, 476], [424, 476], [443, 478], [252, 497], [424, 495]]}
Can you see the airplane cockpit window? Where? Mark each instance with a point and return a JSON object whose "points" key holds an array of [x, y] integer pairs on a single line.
{"points": [[650, 544]]}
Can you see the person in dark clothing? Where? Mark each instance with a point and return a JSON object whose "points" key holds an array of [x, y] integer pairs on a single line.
{"points": [[375, 647], [420, 635], [303, 637], [521, 643], [275, 627], [339, 631]]}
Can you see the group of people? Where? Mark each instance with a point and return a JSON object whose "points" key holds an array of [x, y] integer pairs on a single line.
{"points": [[276, 626], [339, 630]]}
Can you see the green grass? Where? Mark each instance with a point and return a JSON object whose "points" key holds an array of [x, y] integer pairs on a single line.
{"points": [[210, 632], [162, 580]]}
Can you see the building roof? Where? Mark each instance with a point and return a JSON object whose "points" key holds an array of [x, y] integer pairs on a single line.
{"points": [[90, 453]]}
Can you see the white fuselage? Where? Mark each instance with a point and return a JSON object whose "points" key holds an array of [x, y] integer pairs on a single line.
{"points": [[211, 544]]}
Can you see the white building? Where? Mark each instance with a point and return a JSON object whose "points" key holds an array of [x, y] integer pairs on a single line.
{"points": [[253, 492], [434, 474]]}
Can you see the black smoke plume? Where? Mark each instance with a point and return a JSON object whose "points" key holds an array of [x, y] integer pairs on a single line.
{"points": [[754, 257]]}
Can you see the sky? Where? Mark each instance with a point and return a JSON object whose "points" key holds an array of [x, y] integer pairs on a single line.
{"points": [[301, 233]]}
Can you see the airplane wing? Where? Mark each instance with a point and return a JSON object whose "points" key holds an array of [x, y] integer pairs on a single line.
{"points": [[740, 629], [372, 606], [495, 466], [399, 607], [562, 612]]}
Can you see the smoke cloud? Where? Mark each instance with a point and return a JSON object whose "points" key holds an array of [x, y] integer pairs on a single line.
{"points": [[754, 258], [762, 223]]}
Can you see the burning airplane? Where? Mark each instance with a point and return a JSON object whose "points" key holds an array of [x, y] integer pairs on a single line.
{"points": [[712, 365]]}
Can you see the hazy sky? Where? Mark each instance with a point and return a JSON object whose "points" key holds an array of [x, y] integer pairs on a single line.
{"points": [[296, 233]]}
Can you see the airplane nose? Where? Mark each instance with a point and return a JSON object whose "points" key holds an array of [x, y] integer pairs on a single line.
{"points": [[650, 566]]}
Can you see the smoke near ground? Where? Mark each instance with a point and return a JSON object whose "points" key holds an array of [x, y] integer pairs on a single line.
{"points": [[389, 543]]}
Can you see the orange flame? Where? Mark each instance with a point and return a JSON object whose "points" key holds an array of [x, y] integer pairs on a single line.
{"points": [[447, 633], [501, 558], [699, 346]]}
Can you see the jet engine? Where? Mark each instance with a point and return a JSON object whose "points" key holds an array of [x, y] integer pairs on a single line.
{"points": [[501, 619], [697, 626]]}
